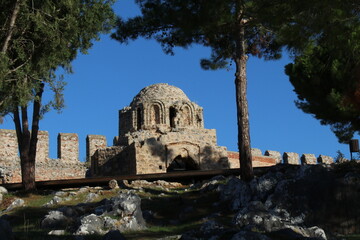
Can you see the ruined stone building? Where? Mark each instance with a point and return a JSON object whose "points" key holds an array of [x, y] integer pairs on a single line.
{"points": [[160, 131]]}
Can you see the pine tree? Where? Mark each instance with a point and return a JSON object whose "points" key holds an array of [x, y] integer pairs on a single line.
{"points": [[233, 29], [326, 69], [37, 37]]}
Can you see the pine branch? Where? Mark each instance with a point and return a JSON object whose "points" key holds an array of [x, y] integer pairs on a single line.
{"points": [[11, 27]]}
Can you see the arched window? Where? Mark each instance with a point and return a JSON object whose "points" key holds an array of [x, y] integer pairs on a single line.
{"points": [[186, 116], [139, 118], [172, 115], [155, 114]]}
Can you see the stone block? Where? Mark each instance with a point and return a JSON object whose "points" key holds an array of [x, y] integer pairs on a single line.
{"points": [[291, 158], [274, 154], [42, 147], [308, 159], [94, 142], [68, 147], [256, 152], [325, 159]]}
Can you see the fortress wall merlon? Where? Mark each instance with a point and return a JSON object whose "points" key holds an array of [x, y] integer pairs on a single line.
{"points": [[94, 142], [274, 154], [42, 147], [8, 145], [256, 152], [291, 158], [308, 159], [68, 147], [325, 159]]}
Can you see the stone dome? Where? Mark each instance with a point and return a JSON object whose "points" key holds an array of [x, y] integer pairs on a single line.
{"points": [[160, 91]]}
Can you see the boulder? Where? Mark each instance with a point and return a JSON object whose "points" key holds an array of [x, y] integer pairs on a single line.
{"points": [[57, 232], [55, 220], [91, 224], [127, 206], [113, 184], [297, 232], [237, 192], [255, 216], [263, 186], [91, 197], [3, 190], [15, 204]]}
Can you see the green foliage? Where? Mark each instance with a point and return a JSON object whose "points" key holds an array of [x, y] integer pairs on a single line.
{"points": [[339, 156], [232, 29], [213, 24], [46, 35], [326, 68]]}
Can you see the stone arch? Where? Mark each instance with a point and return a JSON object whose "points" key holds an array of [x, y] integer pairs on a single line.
{"points": [[155, 113], [139, 117], [172, 116], [183, 162], [185, 151], [186, 115]]}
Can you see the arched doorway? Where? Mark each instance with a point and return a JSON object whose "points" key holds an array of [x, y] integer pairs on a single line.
{"points": [[182, 164]]}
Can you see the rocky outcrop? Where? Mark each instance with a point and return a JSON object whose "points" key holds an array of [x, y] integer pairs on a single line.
{"points": [[122, 213]]}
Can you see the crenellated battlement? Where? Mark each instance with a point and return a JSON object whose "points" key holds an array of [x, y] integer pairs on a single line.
{"points": [[270, 158], [66, 166]]}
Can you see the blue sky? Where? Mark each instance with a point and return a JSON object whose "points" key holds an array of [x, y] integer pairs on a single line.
{"points": [[107, 79]]}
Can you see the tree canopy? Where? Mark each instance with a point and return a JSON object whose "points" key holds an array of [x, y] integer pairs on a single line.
{"points": [[233, 29], [40, 37], [36, 38], [326, 69]]}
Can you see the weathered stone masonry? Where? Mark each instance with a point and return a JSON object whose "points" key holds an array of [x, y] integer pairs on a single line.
{"points": [[162, 130], [67, 165]]}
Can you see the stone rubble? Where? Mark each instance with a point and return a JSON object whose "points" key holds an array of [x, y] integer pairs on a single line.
{"points": [[122, 213], [266, 208], [17, 203], [276, 205]]}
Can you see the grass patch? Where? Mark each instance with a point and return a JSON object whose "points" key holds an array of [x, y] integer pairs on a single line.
{"points": [[353, 237], [155, 232]]}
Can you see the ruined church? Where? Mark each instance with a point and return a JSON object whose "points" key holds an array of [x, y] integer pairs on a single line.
{"points": [[160, 131]]}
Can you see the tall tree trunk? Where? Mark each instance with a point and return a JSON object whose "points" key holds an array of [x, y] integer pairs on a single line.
{"points": [[246, 169], [27, 141], [10, 29]]}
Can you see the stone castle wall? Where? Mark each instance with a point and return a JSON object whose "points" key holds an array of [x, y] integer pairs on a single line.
{"points": [[67, 166], [8, 146], [273, 157], [152, 159]]}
